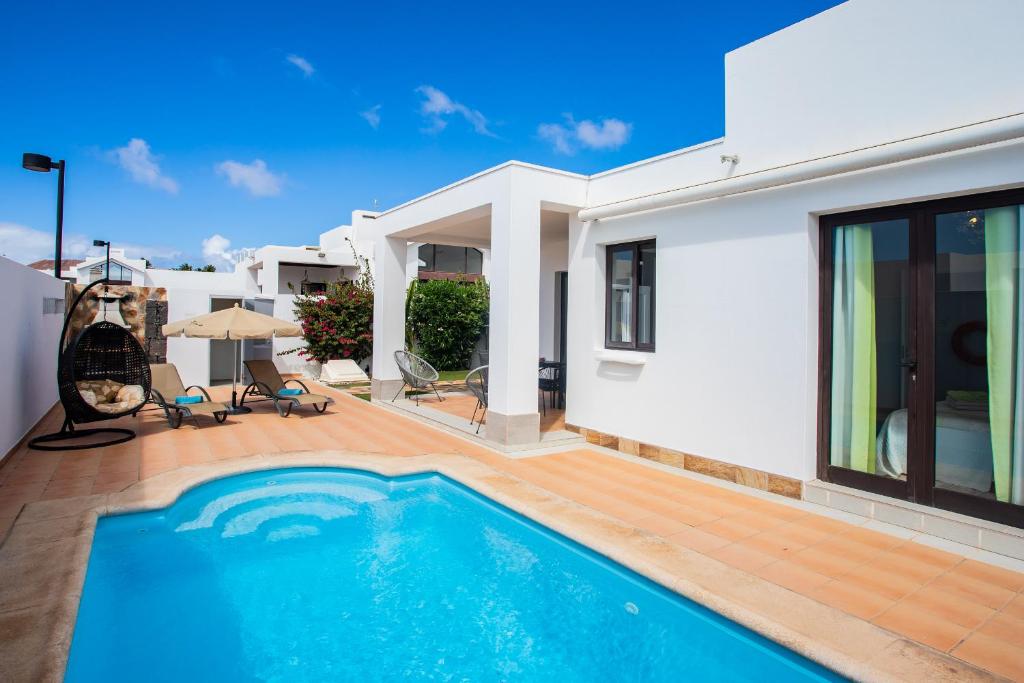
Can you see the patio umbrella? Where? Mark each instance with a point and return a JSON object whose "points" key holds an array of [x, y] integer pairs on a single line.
{"points": [[234, 323]]}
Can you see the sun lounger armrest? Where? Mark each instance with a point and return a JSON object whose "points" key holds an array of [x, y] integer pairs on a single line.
{"points": [[299, 382], [196, 386], [158, 398]]}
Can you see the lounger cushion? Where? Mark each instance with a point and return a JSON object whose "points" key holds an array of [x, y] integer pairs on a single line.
{"points": [[183, 400], [290, 392]]}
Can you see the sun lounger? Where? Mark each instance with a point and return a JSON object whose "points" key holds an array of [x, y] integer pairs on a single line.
{"points": [[268, 383], [167, 386]]}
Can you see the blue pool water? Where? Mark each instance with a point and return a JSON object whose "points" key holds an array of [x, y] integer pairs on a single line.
{"points": [[326, 574]]}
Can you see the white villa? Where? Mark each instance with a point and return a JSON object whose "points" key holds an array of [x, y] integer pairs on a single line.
{"points": [[826, 302], [828, 299]]}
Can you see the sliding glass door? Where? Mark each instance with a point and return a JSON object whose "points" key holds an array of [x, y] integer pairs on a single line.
{"points": [[922, 354], [872, 294]]}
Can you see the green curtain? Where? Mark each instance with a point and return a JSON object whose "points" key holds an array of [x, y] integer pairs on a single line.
{"points": [[1004, 285], [854, 362]]}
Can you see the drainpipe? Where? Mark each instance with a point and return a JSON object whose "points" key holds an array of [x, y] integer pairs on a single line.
{"points": [[950, 140]]}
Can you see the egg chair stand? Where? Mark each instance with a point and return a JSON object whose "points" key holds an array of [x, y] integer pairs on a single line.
{"points": [[101, 351]]}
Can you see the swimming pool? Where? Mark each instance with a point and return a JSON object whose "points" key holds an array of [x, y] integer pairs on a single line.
{"points": [[328, 574]]}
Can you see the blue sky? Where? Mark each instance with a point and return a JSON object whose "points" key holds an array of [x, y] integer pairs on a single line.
{"points": [[270, 122]]}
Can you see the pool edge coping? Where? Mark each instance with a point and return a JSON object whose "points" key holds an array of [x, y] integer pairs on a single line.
{"points": [[51, 541]]}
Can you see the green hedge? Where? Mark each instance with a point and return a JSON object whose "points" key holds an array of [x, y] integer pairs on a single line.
{"points": [[445, 318]]}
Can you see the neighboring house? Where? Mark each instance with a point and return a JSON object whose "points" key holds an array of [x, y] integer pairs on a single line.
{"points": [[831, 291], [266, 279], [67, 267], [123, 270]]}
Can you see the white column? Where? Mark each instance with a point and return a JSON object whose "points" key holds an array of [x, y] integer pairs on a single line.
{"points": [[389, 285], [512, 415], [582, 304]]}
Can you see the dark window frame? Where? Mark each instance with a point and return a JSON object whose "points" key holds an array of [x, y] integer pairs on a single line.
{"points": [[920, 485], [431, 266], [633, 344]]}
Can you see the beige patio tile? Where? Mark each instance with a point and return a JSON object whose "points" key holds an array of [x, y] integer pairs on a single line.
{"points": [[930, 600], [992, 654], [986, 594], [742, 557], [1005, 627], [792, 576], [851, 598], [923, 627], [986, 573]]}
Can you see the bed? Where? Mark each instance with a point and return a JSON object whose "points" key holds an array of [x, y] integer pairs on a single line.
{"points": [[963, 448]]}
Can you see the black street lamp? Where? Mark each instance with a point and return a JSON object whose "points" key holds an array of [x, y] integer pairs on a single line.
{"points": [[101, 243], [44, 164]]}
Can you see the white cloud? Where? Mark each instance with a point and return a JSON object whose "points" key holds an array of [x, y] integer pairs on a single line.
{"points": [[301, 64], [155, 253], [254, 177], [217, 250], [437, 106], [558, 135], [372, 116], [610, 134], [567, 137], [25, 245], [142, 166]]}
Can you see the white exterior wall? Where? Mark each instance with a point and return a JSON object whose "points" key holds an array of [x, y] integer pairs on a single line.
{"points": [[554, 257], [734, 374], [871, 71], [189, 293], [28, 349]]}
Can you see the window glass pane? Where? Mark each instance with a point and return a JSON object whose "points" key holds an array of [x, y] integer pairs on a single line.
{"points": [[426, 257], [621, 300], [450, 259], [475, 258], [870, 339], [645, 295], [979, 357]]}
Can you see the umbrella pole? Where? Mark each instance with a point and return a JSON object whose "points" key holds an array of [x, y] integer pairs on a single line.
{"points": [[235, 374]]}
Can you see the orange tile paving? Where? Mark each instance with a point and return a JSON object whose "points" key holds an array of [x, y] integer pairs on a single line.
{"points": [[972, 610], [462, 405]]}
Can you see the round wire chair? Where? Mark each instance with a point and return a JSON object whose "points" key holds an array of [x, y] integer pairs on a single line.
{"points": [[416, 373], [101, 351], [476, 382]]}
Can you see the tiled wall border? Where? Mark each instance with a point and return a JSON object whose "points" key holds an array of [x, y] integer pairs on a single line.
{"points": [[746, 476], [969, 531]]}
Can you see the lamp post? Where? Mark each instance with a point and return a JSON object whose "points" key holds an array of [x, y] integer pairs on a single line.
{"points": [[44, 164], [101, 243]]}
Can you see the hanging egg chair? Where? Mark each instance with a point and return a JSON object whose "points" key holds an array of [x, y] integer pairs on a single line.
{"points": [[102, 374]]}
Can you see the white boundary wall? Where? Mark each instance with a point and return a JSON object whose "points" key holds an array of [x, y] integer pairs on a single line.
{"points": [[28, 349]]}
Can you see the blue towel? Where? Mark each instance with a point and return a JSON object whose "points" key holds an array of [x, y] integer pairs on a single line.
{"points": [[188, 399], [289, 392]]}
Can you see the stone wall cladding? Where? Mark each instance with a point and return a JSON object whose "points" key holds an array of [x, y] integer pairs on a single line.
{"points": [[135, 306], [746, 476]]}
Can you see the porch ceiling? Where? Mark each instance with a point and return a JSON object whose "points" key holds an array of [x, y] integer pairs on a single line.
{"points": [[473, 228]]}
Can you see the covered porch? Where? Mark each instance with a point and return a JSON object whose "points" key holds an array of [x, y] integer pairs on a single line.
{"points": [[526, 217]]}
